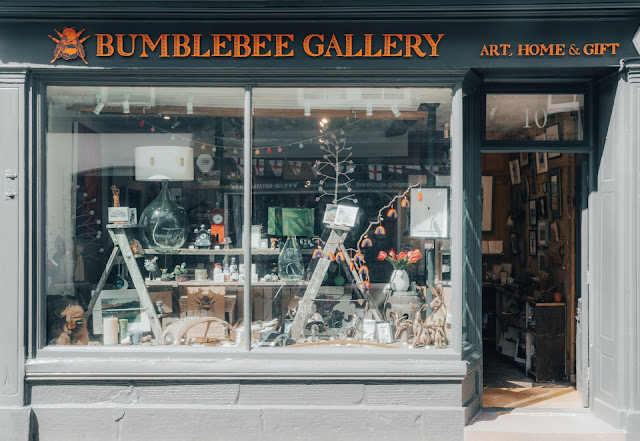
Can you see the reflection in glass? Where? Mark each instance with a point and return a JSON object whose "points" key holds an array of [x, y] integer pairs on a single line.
{"points": [[535, 117]]}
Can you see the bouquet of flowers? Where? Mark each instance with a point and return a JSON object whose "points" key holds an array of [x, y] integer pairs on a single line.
{"points": [[401, 260]]}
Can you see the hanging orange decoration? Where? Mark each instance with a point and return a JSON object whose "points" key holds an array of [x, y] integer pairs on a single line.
{"points": [[366, 242], [380, 231], [318, 253], [405, 203], [340, 257], [359, 257], [392, 213], [331, 257], [366, 285], [352, 265], [363, 271]]}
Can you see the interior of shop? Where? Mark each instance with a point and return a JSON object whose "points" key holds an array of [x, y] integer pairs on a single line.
{"points": [[530, 259]]}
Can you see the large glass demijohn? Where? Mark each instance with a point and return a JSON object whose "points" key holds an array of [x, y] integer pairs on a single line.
{"points": [[163, 223]]}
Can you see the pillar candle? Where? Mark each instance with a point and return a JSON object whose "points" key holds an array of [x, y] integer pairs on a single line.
{"points": [[110, 330]]}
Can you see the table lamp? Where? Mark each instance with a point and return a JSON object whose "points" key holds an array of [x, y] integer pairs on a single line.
{"points": [[163, 223]]}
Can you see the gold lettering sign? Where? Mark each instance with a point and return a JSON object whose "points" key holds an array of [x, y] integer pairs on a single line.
{"points": [[250, 45]]}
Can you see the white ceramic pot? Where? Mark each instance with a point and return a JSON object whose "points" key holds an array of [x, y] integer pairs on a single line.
{"points": [[399, 280]]}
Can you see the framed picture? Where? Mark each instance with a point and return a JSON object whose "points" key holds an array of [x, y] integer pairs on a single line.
{"points": [[554, 231], [533, 218], [553, 155], [543, 263], [533, 242], [123, 304], [542, 163], [514, 243], [542, 207], [487, 203], [543, 233], [429, 216], [383, 332], [553, 133], [524, 159], [555, 193], [514, 170]]}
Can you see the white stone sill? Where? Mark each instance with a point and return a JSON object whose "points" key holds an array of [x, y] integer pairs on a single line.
{"points": [[154, 363]]}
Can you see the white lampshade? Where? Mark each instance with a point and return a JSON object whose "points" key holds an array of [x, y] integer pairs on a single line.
{"points": [[164, 163]]}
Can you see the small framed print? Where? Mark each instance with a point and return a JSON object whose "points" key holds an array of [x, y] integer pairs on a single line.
{"points": [[533, 243], [542, 164], [533, 218], [543, 233], [543, 262], [524, 159], [553, 133], [555, 193], [118, 215], [542, 207], [514, 243], [514, 170], [554, 231], [383, 332]]}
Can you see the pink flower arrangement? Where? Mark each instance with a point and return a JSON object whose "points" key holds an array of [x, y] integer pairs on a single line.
{"points": [[402, 260]]}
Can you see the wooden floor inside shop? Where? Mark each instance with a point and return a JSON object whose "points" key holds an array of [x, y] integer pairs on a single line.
{"points": [[507, 386]]}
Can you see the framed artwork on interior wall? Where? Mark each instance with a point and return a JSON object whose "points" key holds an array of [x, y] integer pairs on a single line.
{"points": [[487, 203], [543, 233], [553, 133], [553, 155], [543, 263], [514, 170], [533, 218], [541, 137], [542, 164], [542, 207], [555, 193], [514, 243], [524, 159], [533, 242]]}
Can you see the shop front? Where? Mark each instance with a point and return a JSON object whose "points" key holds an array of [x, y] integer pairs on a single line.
{"points": [[222, 226]]}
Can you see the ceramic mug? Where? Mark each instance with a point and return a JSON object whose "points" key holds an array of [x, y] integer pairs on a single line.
{"points": [[136, 336]]}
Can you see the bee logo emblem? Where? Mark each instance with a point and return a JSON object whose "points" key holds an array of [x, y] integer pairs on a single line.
{"points": [[69, 46]]}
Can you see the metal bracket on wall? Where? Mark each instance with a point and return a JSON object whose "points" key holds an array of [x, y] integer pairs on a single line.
{"points": [[10, 184]]}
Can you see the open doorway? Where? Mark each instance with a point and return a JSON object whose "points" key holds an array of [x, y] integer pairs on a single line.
{"points": [[530, 259]]}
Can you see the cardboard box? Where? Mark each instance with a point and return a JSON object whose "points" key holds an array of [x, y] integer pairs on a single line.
{"points": [[208, 300]]}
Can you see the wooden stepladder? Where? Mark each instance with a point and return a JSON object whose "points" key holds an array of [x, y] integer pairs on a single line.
{"points": [[120, 236], [334, 242]]}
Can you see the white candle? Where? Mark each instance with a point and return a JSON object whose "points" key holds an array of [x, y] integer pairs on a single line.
{"points": [[110, 329]]}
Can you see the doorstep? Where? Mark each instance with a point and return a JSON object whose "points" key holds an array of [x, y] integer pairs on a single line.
{"points": [[539, 425]]}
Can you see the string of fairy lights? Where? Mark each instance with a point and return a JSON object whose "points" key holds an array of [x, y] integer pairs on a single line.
{"points": [[268, 149]]}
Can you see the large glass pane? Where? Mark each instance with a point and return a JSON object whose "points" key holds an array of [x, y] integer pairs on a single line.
{"points": [[535, 117], [155, 170], [342, 176]]}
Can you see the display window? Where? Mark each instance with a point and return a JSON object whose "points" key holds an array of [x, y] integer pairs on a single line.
{"points": [[144, 202]]}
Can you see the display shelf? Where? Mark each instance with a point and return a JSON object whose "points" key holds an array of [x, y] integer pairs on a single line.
{"points": [[117, 226], [212, 283], [221, 252]]}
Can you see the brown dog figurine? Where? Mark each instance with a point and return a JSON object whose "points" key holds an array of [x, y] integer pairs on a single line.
{"points": [[74, 329]]}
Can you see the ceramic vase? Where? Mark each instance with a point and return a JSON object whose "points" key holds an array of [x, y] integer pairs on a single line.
{"points": [[399, 280]]}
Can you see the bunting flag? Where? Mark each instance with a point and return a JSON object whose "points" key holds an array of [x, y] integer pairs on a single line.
{"points": [[397, 169], [240, 164], [258, 165], [296, 166], [276, 167], [375, 172], [314, 169]]}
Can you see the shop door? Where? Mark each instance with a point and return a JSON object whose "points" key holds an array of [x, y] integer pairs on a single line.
{"points": [[582, 309]]}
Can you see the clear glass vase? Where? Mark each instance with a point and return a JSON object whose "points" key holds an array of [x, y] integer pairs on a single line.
{"points": [[164, 224], [290, 266]]}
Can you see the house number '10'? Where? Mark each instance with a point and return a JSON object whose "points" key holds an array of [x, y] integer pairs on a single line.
{"points": [[537, 118]]}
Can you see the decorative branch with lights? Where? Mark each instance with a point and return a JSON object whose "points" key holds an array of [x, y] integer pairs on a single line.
{"points": [[88, 228], [331, 167]]}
